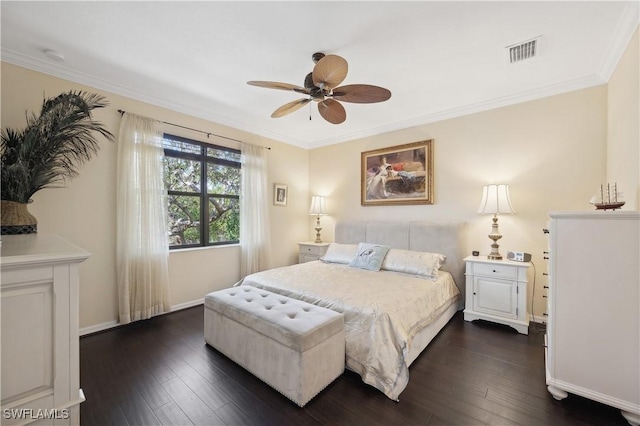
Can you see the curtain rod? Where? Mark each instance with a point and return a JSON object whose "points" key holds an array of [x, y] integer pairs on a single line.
{"points": [[196, 130]]}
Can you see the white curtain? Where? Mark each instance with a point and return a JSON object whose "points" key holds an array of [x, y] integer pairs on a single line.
{"points": [[142, 238], [255, 236]]}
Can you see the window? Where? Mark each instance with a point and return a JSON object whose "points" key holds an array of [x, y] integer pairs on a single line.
{"points": [[203, 185]]}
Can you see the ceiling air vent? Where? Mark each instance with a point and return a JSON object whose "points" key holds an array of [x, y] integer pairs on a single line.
{"points": [[524, 50]]}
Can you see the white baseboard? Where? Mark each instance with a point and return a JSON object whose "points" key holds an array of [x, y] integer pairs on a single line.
{"points": [[113, 324], [539, 318], [186, 305], [98, 327]]}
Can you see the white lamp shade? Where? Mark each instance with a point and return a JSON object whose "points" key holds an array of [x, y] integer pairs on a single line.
{"points": [[495, 200], [318, 206]]}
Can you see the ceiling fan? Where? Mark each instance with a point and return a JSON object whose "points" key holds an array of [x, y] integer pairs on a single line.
{"points": [[321, 86]]}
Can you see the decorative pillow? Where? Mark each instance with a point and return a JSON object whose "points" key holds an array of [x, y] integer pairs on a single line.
{"points": [[340, 253], [419, 263], [369, 256]]}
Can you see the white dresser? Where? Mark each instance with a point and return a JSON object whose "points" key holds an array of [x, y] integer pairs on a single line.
{"points": [[593, 329], [311, 251], [40, 343], [496, 290]]}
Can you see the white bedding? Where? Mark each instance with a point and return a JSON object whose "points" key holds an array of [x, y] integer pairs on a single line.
{"points": [[383, 312]]}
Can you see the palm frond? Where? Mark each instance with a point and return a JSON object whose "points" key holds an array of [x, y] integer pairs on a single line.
{"points": [[53, 145]]}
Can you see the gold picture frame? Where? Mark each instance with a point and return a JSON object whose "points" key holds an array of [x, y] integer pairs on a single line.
{"points": [[398, 175], [280, 194]]}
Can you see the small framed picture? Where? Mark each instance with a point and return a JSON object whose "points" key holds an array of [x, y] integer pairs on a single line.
{"points": [[280, 194]]}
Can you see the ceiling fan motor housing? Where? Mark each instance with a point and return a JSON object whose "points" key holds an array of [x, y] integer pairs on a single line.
{"points": [[317, 56]]}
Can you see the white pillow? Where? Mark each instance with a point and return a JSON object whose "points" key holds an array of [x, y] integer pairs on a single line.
{"points": [[340, 253], [419, 263], [369, 256]]}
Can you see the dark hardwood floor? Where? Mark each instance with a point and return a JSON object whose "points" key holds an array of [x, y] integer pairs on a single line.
{"points": [[160, 371]]}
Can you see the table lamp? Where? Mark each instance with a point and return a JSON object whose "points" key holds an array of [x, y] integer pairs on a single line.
{"points": [[318, 208], [495, 200]]}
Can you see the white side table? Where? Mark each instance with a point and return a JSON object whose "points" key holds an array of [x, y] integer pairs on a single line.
{"points": [[311, 251], [496, 290]]}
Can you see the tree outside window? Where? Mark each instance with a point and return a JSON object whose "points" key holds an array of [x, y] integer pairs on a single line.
{"points": [[203, 186]]}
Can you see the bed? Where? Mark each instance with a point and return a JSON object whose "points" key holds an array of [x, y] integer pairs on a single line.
{"points": [[390, 315]]}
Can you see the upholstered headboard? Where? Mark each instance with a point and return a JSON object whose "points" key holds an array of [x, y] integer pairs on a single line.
{"points": [[448, 238]]}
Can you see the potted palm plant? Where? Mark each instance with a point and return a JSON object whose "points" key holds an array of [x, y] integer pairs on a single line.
{"points": [[48, 151]]}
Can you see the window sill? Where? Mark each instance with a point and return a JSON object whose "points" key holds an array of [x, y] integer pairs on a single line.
{"points": [[186, 249]]}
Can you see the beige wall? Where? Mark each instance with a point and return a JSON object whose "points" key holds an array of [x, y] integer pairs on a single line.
{"points": [[84, 211], [550, 151], [623, 136]]}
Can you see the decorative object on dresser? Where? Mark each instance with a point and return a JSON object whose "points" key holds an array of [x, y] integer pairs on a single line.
{"points": [[607, 200], [593, 328], [495, 200], [496, 290], [44, 154], [280, 194], [318, 208], [40, 342], [308, 252]]}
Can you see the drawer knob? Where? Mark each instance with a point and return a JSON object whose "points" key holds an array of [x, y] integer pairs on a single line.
{"points": [[494, 271]]}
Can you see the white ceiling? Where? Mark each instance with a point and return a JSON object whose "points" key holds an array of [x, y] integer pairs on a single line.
{"points": [[439, 59]]}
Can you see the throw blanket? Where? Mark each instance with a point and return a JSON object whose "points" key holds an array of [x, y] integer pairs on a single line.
{"points": [[383, 312]]}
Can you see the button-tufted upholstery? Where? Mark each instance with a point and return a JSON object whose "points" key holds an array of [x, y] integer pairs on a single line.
{"points": [[295, 347], [294, 323]]}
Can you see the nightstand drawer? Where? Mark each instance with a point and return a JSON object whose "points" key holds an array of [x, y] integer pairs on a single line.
{"points": [[304, 249], [308, 252], [497, 271]]}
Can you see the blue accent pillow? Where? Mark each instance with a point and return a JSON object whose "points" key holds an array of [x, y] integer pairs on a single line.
{"points": [[369, 256]]}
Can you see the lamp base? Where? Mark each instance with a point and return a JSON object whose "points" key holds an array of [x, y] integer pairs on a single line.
{"points": [[495, 236], [318, 229]]}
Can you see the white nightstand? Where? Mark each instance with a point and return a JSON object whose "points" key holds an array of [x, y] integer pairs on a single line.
{"points": [[496, 290], [311, 251]]}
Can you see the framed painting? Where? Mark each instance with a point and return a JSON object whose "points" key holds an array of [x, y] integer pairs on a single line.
{"points": [[398, 175], [280, 194]]}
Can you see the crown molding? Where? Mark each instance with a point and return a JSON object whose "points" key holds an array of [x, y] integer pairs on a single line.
{"points": [[530, 95], [62, 72], [82, 78], [623, 33]]}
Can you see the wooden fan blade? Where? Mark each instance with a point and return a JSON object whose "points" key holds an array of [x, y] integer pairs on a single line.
{"points": [[290, 107], [330, 71], [361, 93], [279, 86], [332, 111]]}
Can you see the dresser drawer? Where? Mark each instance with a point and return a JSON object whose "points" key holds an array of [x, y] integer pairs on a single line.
{"points": [[497, 271]]}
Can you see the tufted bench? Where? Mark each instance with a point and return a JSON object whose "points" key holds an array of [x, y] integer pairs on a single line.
{"points": [[293, 346]]}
